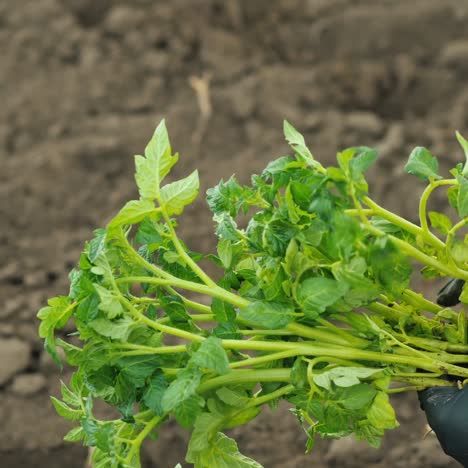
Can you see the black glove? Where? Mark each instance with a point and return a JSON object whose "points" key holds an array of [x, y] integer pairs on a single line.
{"points": [[449, 295], [447, 413], [447, 407]]}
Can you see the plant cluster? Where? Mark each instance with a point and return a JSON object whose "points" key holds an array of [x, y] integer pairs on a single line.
{"points": [[314, 305]]}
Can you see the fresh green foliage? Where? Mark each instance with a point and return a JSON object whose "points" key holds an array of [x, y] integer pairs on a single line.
{"points": [[312, 303]]}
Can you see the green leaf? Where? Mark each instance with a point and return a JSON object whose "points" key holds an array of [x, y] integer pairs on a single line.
{"points": [[363, 159], [227, 331], [133, 212], [223, 453], [464, 145], [149, 233], [269, 315], [65, 411], [176, 195], [224, 249], [174, 308], [54, 317], [343, 376], [188, 410], [462, 197], [109, 304], [69, 397], [226, 227], [74, 435], [97, 244], [182, 388], [116, 329], [297, 142], [151, 169], [223, 311], [236, 398], [138, 368], [211, 355], [422, 164], [440, 222], [315, 294], [154, 393], [357, 396], [381, 414]]}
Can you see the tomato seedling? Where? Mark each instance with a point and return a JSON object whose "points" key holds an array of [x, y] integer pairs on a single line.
{"points": [[313, 305]]}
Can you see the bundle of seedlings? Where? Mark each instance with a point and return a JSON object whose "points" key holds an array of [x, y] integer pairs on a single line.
{"points": [[313, 305]]}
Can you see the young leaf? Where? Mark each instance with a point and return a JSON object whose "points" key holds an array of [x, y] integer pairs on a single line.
{"points": [[269, 315], [297, 142], [151, 169], [74, 435], [53, 317], [422, 164], [362, 160], [69, 397], [211, 355], [176, 195], [132, 212], [97, 244], [440, 221], [65, 411]]}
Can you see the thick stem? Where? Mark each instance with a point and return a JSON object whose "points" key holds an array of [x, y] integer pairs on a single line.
{"points": [[255, 361], [404, 224], [246, 376], [343, 339]]}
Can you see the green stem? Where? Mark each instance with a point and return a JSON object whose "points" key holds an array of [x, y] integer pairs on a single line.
{"points": [[424, 382], [188, 285], [151, 349], [326, 336], [404, 224], [183, 253], [420, 256], [413, 388], [159, 326], [423, 203], [246, 376], [420, 302], [257, 401], [279, 332], [263, 359], [135, 448], [427, 362]]}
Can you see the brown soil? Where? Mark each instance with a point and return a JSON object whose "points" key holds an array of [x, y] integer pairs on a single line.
{"points": [[82, 84]]}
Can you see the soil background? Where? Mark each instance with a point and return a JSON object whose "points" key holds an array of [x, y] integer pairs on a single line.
{"points": [[83, 84]]}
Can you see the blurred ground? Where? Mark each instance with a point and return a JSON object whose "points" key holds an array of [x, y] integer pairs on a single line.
{"points": [[82, 85]]}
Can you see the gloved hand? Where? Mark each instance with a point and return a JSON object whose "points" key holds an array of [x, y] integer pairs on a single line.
{"points": [[447, 413], [447, 407]]}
